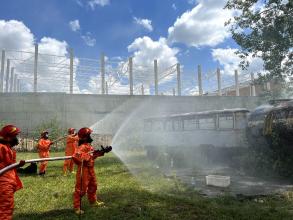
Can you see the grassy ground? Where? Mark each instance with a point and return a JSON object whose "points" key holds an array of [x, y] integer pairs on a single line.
{"points": [[150, 197]]}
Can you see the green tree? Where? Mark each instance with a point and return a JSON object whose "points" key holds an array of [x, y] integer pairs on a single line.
{"points": [[264, 28]]}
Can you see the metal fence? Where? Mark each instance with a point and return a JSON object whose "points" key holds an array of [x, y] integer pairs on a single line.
{"points": [[34, 71]]}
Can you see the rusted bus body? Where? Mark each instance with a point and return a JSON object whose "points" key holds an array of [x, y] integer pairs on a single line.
{"points": [[275, 118], [102, 139]]}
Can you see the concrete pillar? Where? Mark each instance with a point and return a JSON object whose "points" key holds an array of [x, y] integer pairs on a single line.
{"points": [[236, 83], [107, 88], [103, 73], [156, 77], [130, 68], [174, 92], [142, 89], [11, 80], [178, 79], [2, 71], [15, 83], [199, 80], [252, 85], [71, 72], [219, 82], [36, 68], [7, 75], [18, 85]]}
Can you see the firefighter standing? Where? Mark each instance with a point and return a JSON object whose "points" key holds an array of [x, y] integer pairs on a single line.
{"points": [[71, 146], [85, 178], [43, 148], [9, 181]]}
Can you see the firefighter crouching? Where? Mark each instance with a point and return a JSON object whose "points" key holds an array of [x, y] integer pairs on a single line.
{"points": [[71, 146], [85, 177], [9, 181]]}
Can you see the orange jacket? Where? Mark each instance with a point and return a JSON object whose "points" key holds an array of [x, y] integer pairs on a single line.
{"points": [[7, 157], [83, 154], [44, 147], [71, 145]]}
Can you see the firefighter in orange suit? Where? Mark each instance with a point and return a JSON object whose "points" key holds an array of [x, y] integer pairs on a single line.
{"points": [[71, 146], [9, 181], [43, 148], [85, 177]]}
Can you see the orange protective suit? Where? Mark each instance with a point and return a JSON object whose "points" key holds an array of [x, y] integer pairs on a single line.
{"points": [[71, 146], [43, 148], [9, 183], [88, 183]]}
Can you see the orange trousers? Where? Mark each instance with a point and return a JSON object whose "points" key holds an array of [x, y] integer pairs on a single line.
{"points": [[44, 164], [6, 201], [88, 185], [68, 164]]}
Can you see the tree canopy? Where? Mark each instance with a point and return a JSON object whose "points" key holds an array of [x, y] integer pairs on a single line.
{"points": [[264, 28]]}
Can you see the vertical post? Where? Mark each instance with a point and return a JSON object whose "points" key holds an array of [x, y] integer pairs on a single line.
{"points": [[15, 83], [178, 79], [199, 80], [252, 85], [107, 88], [130, 68], [156, 77], [174, 93], [71, 72], [18, 85], [142, 89], [11, 80], [7, 75], [2, 71], [36, 68], [103, 73], [236, 83], [219, 82]]}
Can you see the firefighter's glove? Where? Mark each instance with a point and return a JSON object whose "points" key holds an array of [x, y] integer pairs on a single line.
{"points": [[21, 163]]}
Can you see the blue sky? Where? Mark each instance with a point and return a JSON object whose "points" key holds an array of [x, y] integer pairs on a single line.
{"points": [[191, 32]]}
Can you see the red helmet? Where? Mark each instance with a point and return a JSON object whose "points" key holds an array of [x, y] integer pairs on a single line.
{"points": [[71, 130], [9, 131], [84, 132]]}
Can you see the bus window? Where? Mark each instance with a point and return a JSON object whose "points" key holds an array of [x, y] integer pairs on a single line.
{"points": [[168, 125], [226, 121], [207, 123], [240, 120], [178, 125], [190, 124]]}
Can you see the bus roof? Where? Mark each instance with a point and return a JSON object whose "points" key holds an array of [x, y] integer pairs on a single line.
{"points": [[204, 113]]}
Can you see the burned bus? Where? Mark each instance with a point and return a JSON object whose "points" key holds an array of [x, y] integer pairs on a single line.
{"points": [[215, 135]]}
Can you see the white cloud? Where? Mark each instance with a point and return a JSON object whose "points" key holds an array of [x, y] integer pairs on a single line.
{"points": [[15, 36], [230, 61], [74, 25], [145, 51], [88, 39], [145, 23], [202, 26], [94, 3]]}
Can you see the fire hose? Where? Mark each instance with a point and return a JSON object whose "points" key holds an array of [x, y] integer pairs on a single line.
{"points": [[15, 165]]}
